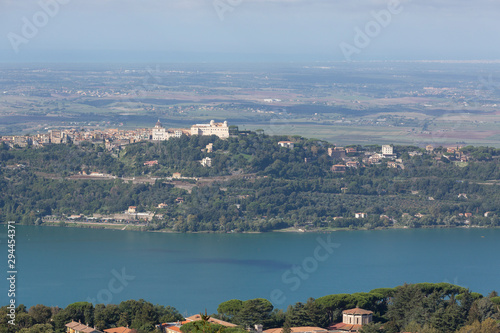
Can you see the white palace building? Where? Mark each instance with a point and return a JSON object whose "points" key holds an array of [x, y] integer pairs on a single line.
{"points": [[219, 129], [160, 133]]}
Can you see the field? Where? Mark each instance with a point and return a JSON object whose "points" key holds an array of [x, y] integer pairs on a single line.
{"points": [[363, 103]]}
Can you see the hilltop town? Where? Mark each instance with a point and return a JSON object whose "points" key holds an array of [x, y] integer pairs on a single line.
{"points": [[114, 138]]}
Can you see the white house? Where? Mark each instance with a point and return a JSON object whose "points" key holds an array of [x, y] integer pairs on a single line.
{"points": [[387, 150]]}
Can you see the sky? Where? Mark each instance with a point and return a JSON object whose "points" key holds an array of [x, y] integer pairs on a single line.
{"points": [[247, 30]]}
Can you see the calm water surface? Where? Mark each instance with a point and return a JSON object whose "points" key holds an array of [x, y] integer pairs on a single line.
{"points": [[58, 266]]}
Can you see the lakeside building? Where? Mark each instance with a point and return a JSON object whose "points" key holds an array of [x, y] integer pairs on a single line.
{"points": [[219, 129]]}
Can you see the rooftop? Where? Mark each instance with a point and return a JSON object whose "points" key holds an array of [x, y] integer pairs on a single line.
{"points": [[212, 320], [302, 329], [357, 310]]}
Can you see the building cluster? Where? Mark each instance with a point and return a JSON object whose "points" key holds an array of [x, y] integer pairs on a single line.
{"points": [[114, 138], [78, 327], [352, 321], [351, 158]]}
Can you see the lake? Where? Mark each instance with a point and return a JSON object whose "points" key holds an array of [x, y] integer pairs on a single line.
{"points": [[59, 266]]}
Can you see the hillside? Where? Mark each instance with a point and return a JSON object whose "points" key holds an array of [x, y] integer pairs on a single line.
{"points": [[252, 184]]}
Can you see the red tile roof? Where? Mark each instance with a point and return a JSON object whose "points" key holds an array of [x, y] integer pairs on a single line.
{"points": [[211, 320], [345, 327], [357, 311], [302, 329], [174, 328], [120, 330]]}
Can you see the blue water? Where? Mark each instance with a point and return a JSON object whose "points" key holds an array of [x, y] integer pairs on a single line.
{"points": [[58, 266]]}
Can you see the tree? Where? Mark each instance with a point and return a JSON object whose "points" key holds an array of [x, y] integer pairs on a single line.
{"points": [[487, 326], [316, 313], [38, 328], [406, 306], [254, 311], [287, 327], [40, 313], [482, 309], [229, 309], [372, 328]]}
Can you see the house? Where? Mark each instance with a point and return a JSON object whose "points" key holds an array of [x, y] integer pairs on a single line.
{"points": [[132, 210], [352, 320], [462, 195], [412, 154], [302, 329], [151, 163], [210, 147], [352, 164], [176, 175], [206, 162], [392, 164], [164, 328], [468, 214], [74, 327], [211, 320], [350, 150], [429, 148], [172, 329], [337, 152], [387, 150], [120, 330], [286, 144], [162, 205], [179, 200], [374, 159], [360, 215], [488, 214]]}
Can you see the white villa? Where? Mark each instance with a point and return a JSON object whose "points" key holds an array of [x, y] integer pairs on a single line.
{"points": [[219, 129]]}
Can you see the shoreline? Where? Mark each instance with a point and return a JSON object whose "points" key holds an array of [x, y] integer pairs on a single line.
{"points": [[131, 227]]}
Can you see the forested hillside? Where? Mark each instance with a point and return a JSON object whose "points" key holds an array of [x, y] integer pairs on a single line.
{"points": [[253, 184]]}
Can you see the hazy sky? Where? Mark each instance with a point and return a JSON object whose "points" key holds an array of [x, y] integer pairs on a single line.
{"points": [[247, 30]]}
